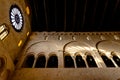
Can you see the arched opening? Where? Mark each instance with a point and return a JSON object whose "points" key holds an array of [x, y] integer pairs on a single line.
{"points": [[91, 62], [79, 61], [52, 62], [28, 63], [41, 61], [116, 59], [107, 61], [68, 62], [107, 47]]}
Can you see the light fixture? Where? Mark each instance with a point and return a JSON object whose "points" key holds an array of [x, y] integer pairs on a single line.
{"points": [[2, 28], [16, 18], [20, 43], [28, 10], [3, 31], [3, 35], [28, 33]]}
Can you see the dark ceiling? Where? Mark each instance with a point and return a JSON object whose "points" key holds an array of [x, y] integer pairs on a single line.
{"points": [[75, 15]]}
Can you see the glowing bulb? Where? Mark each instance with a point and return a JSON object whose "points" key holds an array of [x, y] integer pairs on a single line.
{"points": [[20, 42], [27, 10], [28, 33]]}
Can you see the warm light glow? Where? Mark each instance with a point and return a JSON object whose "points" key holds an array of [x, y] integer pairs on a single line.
{"points": [[102, 37], [3, 35], [74, 49], [20, 42], [116, 37], [106, 53], [46, 37], [2, 28], [59, 38], [27, 10], [28, 33], [3, 31], [73, 37]]}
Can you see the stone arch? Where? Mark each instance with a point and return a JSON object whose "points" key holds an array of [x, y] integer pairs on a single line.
{"points": [[107, 47], [68, 61], [75, 46], [109, 50], [28, 61], [41, 61], [42, 46], [52, 61]]}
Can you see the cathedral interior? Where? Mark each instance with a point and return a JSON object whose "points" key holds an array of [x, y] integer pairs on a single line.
{"points": [[59, 39]]}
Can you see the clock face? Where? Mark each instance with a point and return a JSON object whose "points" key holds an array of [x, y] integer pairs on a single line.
{"points": [[16, 18]]}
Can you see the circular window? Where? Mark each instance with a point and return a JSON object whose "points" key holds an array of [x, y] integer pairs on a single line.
{"points": [[16, 18]]}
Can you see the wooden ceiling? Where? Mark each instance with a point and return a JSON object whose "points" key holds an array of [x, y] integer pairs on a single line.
{"points": [[75, 15]]}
